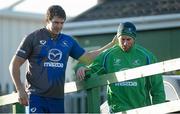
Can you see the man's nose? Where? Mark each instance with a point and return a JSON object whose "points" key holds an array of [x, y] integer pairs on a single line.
{"points": [[125, 42]]}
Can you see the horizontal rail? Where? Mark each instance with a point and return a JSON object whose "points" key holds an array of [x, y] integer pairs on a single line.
{"points": [[95, 81], [8, 99], [138, 72], [162, 108]]}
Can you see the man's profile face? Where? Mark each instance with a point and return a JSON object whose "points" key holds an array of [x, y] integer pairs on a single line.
{"points": [[55, 25], [125, 42]]}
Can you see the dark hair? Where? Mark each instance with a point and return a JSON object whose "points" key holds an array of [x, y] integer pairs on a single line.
{"points": [[55, 10]]}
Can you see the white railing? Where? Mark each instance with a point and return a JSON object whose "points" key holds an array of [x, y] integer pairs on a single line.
{"points": [[92, 84]]}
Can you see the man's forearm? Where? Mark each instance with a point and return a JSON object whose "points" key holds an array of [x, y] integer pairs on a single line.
{"points": [[88, 57], [15, 75], [110, 44], [14, 69], [94, 53]]}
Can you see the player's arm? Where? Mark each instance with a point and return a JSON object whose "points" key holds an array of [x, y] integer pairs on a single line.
{"points": [[14, 69], [88, 57], [157, 87], [95, 67]]}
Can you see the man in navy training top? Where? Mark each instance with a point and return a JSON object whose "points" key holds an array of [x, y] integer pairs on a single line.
{"points": [[47, 51]]}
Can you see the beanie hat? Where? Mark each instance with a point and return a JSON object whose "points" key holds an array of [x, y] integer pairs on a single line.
{"points": [[127, 29]]}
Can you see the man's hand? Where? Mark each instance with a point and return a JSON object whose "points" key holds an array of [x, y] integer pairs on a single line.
{"points": [[22, 97], [81, 72]]}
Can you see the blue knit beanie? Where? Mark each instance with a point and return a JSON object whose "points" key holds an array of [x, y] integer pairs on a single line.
{"points": [[128, 29]]}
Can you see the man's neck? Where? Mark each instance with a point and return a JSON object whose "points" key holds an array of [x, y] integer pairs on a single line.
{"points": [[52, 35]]}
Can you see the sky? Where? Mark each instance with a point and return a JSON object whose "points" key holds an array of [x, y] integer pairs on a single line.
{"points": [[71, 7]]}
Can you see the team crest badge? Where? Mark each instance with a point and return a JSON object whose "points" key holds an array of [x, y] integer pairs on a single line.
{"points": [[42, 42]]}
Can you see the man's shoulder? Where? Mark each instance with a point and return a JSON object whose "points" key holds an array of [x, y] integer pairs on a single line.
{"points": [[142, 49], [68, 37], [38, 32], [65, 35], [146, 52], [110, 50], [39, 35]]}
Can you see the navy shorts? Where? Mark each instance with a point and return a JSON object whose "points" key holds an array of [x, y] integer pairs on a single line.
{"points": [[39, 104]]}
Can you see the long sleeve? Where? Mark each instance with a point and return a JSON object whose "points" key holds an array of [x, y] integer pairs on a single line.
{"points": [[96, 67], [156, 87]]}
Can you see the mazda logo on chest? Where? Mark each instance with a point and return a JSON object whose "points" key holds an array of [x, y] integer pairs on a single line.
{"points": [[54, 55]]}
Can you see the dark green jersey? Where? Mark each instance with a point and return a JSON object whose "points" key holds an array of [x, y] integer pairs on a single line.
{"points": [[132, 93]]}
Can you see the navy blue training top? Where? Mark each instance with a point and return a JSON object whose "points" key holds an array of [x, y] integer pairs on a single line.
{"points": [[47, 58]]}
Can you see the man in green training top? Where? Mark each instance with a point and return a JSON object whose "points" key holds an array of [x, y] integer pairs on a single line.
{"points": [[124, 55]]}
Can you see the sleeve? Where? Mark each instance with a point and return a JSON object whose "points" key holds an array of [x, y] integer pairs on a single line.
{"points": [[96, 67], [76, 51], [25, 48], [157, 87]]}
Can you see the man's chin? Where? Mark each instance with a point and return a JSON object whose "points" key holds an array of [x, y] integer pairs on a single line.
{"points": [[125, 50], [56, 33]]}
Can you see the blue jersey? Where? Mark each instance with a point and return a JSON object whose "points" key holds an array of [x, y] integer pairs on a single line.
{"points": [[47, 58]]}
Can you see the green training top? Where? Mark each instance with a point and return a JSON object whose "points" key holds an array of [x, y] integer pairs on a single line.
{"points": [[132, 93]]}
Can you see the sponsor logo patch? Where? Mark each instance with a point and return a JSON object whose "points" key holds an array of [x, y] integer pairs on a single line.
{"points": [[54, 55]]}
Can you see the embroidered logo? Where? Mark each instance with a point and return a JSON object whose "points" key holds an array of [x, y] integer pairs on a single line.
{"points": [[22, 51], [65, 43], [33, 109], [117, 62], [136, 62], [42, 42]]}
